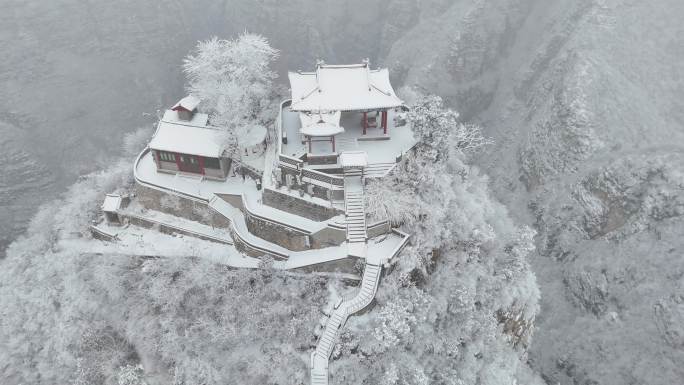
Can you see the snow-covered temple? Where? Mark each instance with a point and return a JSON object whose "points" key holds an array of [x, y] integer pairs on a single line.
{"points": [[188, 145], [321, 96], [185, 142], [336, 110], [287, 197], [339, 106], [294, 197]]}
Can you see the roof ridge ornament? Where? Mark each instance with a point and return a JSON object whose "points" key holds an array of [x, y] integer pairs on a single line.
{"points": [[366, 64], [319, 63]]}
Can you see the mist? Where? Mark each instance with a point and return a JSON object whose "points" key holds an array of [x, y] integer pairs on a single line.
{"points": [[583, 101]]}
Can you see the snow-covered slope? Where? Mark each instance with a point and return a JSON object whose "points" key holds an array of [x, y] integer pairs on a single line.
{"points": [[584, 101], [583, 98]]}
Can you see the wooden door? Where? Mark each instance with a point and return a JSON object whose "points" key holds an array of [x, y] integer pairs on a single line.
{"points": [[189, 163]]}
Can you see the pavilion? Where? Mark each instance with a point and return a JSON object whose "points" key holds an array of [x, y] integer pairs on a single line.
{"points": [[320, 97]]}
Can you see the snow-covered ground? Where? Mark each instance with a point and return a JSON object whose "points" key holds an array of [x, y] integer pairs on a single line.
{"points": [[139, 241]]}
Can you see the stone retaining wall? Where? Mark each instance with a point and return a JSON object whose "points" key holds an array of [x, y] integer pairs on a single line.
{"points": [[316, 190], [248, 249], [167, 229], [179, 206], [298, 206], [378, 229], [346, 265], [276, 233], [328, 237]]}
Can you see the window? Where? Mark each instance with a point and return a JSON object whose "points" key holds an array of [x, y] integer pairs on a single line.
{"points": [[167, 156], [212, 163]]}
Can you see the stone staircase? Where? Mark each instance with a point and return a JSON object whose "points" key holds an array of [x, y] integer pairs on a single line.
{"points": [[355, 213], [338, 317], [377, 170]]}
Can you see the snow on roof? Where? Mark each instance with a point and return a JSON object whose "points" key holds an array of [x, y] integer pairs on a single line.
{"points": [[111, 203], [320, 123], [354, 159], [308, 118], [187, 137], [342, 88], [189, 103], [198, 120]]}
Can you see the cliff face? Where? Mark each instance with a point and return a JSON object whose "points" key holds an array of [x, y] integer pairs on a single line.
{"points": [[584, 102]]}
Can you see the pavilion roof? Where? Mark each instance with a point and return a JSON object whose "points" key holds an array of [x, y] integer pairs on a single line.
{"points": [[353, 87], [320, 123], [321, 129]]}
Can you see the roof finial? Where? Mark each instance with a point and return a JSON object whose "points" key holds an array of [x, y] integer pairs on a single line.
{"points": [[366, 64], [320, 62]]}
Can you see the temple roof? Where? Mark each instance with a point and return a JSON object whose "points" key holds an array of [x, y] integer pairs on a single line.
{"points": [[193, 137], [353, 87]]}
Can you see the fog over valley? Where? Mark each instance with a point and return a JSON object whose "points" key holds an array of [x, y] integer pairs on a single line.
{"points": [[540, 231]]}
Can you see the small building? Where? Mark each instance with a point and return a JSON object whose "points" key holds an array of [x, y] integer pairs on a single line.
{"points": [[184, 142], [110, 208], [186, 108]]}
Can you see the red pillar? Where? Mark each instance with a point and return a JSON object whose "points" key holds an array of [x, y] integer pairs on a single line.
{"points": [[178, 163], [332, 138], [201, 164], [365, 122], [309, 138], [384, 122]]}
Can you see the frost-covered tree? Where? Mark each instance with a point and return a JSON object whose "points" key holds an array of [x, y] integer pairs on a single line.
{"points": [[234, 82], [440, 132], [444, 142], [72, 317], [459, 306]]}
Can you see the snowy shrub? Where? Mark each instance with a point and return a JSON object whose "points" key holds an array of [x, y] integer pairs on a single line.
{"points": [[131, 375], [440, 132], [135, 141]]}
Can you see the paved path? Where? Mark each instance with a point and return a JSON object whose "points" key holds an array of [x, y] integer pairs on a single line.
{"points": [[357, 237], [338, 317]]}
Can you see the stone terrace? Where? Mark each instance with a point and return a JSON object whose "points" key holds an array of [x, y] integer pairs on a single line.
{"points": [[379, 147]]}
